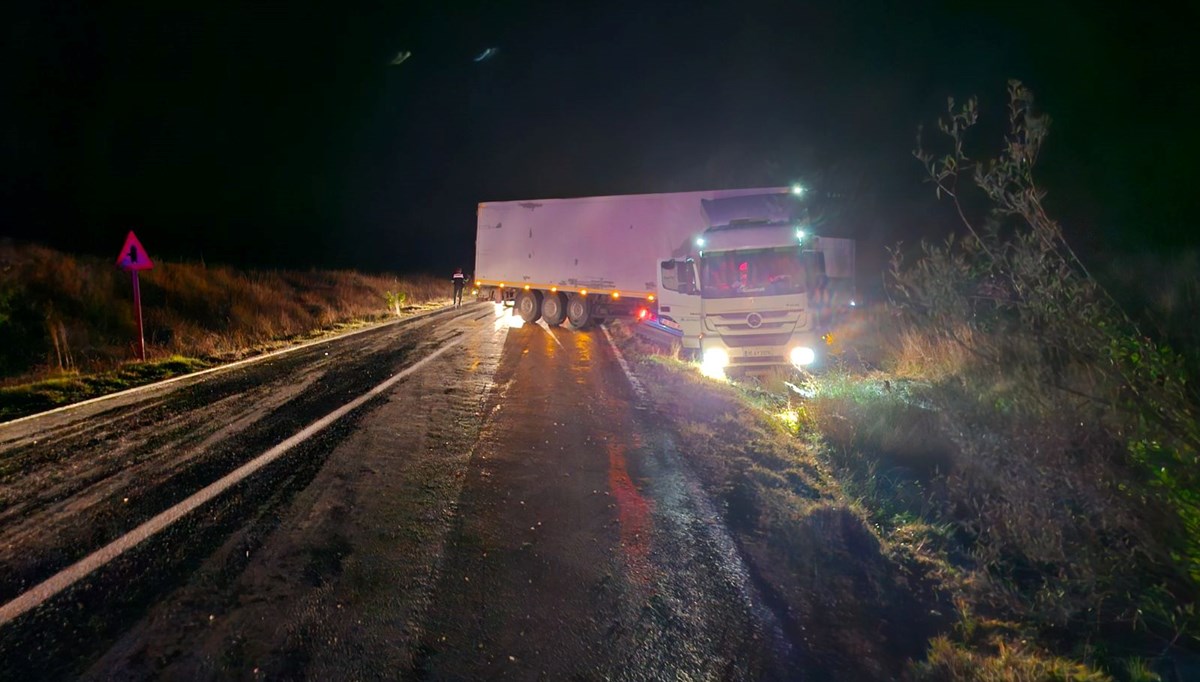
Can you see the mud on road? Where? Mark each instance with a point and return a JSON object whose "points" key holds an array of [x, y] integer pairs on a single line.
{"points": [[506, 511]]}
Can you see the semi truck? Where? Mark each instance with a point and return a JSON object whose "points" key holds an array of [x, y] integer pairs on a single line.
{"points": [[739, 275]]}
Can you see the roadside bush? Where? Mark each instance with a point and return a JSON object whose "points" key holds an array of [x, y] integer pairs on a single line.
{"points": [[1074, 480]]}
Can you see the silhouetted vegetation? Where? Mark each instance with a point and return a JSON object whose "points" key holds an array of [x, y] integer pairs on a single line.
{"points": [[1064, 432]]}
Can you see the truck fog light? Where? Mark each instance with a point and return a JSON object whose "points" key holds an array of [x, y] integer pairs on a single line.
{"points": [[800, 356]]}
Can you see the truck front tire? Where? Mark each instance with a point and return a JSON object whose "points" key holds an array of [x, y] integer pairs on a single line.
{"points": [[554, 308], [529, 305]]}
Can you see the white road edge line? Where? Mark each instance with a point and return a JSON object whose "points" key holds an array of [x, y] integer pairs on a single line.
{"points": [[633, 381], [221, 368], [47, 589], [548, 330]]}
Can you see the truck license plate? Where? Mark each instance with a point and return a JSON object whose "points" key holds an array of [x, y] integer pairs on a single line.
{"points": [[759, 352]]}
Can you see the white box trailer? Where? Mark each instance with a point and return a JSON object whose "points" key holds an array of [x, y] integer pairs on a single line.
{"points": [[592, 247], [610, 243]]}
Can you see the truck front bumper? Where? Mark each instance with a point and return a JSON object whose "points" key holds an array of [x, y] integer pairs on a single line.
{"points": [[801, 350]]}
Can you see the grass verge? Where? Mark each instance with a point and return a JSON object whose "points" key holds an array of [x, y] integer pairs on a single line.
{"points": [[853, 505], [67, 328], [46, 394]]}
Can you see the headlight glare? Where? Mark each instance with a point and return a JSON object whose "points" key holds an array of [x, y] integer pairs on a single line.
{"points": [[802, 356], [716, 357]]}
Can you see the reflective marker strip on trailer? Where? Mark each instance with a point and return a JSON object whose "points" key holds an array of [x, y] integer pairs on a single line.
{"points": [[49, 588], [614, 293]]}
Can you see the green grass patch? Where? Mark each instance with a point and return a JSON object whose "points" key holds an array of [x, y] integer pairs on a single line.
{"points": [[39, 396]]}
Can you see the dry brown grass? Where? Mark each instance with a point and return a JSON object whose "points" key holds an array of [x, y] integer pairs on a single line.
{"points": [[915, 356], [60, 313], [1005, 661]]}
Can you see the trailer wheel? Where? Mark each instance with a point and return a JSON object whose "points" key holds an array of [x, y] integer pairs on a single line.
{"points": [[554, 308], [579, 311], [529, 305]]}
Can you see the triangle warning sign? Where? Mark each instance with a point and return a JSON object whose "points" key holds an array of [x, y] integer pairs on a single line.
{"points": [[133, 256]]}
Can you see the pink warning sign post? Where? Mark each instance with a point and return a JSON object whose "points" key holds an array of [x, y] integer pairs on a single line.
{"points": [[132, 259]]}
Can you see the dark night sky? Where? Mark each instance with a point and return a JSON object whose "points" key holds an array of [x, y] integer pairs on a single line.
{"points": [[277, 136]]}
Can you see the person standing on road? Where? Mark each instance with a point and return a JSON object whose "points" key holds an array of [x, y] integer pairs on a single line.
{"points": [[459, 280]]}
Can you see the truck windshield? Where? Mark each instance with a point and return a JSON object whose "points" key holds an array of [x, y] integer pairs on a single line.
{"points": [[762, 272]]}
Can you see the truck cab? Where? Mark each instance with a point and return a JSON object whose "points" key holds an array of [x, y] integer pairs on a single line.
{"points": [[755, 293]]}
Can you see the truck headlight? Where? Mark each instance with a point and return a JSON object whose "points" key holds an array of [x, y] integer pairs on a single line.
{"points": [[716, 358], [800, 356], [713, 363]]}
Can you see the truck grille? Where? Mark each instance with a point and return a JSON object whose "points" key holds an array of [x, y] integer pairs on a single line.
{"points": [[744, 340], [766, 324]]}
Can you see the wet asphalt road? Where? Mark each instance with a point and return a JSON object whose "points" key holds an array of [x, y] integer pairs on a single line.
{"points": [[504, 510]]}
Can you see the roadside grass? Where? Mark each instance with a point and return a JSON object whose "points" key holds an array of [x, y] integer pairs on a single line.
{"points": [[1002, 662], [1027, 539], [863, 604], [68, 332], [985, 542], [1047, 527], [45, 394], [1060, 557]]}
